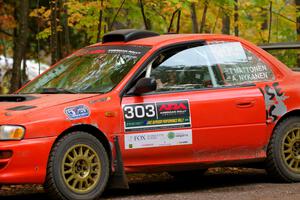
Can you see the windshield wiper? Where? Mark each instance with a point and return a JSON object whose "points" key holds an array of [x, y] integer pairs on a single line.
{"points": [[57, 91]]}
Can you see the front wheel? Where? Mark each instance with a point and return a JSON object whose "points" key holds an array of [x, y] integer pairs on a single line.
{"points": [[78, 168], [283, 161]]}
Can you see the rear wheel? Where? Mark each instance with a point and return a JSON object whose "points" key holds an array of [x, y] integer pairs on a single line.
{"points": [[78, 168], [283, 161]]}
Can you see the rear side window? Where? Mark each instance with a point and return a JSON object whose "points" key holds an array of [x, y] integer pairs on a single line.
{"points": [[208, 66], [239, 65]]}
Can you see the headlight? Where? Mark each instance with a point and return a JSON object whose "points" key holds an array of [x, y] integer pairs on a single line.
{"points": [[8, 132]]}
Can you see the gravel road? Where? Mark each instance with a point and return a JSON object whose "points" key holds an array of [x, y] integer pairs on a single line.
{"points": [[218, 183]]}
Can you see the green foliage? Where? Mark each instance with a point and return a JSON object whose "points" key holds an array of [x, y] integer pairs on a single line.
{"points": [[288, 57], [83, 19], [83, 16]]}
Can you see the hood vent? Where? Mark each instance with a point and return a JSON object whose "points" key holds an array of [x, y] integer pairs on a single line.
{"points": [[19, 108], [16, 98]]}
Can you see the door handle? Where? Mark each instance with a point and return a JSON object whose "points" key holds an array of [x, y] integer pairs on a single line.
{"points": [[245, 103]]}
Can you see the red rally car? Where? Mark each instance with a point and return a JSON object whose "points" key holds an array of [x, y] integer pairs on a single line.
{"points": [[144, 102]]}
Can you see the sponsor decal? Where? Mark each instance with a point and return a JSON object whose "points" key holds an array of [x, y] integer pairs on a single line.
{"points": [[77, 112], [238, 74], [171, 135], [158, 139], [124, 50], [275, 101], [157, 115]]}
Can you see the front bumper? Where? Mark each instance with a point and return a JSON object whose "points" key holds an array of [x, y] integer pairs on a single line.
{"points": [[28, 161]]}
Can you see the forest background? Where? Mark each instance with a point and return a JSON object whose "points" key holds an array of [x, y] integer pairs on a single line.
{"points": [[43, 31]]}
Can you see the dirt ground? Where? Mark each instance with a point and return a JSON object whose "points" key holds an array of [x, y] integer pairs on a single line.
{"points": [[217, 183]]}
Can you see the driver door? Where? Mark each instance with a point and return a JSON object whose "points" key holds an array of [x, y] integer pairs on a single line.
{"points": [[192, 118]]}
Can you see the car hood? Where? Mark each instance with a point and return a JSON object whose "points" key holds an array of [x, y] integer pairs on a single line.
{"points": [[21, 104]]}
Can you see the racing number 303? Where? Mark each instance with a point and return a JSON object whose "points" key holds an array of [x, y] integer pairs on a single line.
{"points": [[139, 111]]}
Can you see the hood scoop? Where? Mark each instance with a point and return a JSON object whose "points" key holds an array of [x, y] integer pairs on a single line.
{"points": [[16, 98], [19, 108]]}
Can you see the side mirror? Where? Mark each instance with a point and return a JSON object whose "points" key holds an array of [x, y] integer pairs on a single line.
{"points": [[144, 85]]}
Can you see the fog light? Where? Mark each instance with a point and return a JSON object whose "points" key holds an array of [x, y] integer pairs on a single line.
{"points": [[6, 154]]}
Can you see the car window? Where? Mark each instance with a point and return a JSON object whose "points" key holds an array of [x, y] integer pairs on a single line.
{"points": [[183, 70], [90, 70], [208, 66], [238, 65]]}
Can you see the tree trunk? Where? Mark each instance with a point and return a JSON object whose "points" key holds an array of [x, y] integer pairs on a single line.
{"points": [[54, 36], [100, 22], [264, 25], [23, 71], [6, 64], [60, 34], [38, 41], [236, 18], [116, 15], [65, 36], [20, 42], [146, 21], [4, 52], [216, 21], [178, 22], [264, 15], [203, 21], [171, 21], [298, 27], [194, 18], [226, 22], [107, 25], [270, 21]]}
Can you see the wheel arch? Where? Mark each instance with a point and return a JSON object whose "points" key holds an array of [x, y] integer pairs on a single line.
{"points": [[291, 113], [295, 112], [90, 129]]}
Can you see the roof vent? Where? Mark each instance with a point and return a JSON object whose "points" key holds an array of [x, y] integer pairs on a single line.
{"points": [[126, 35]]}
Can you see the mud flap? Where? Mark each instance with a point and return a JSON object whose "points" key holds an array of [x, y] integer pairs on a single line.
{"points": [[118, 180]]}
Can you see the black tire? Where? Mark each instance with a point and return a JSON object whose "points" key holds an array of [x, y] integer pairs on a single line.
{"points": [[188, 174], [56, 183], [277, 162]]}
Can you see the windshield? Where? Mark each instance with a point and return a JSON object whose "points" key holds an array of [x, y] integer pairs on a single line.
{"points": [[90, 70]]}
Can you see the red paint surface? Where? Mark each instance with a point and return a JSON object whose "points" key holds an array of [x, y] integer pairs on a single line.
{"points": [[224, 129]]}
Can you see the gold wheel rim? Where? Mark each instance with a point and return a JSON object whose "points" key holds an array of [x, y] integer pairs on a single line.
{"points": [[291, 149], [81, 168]]}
